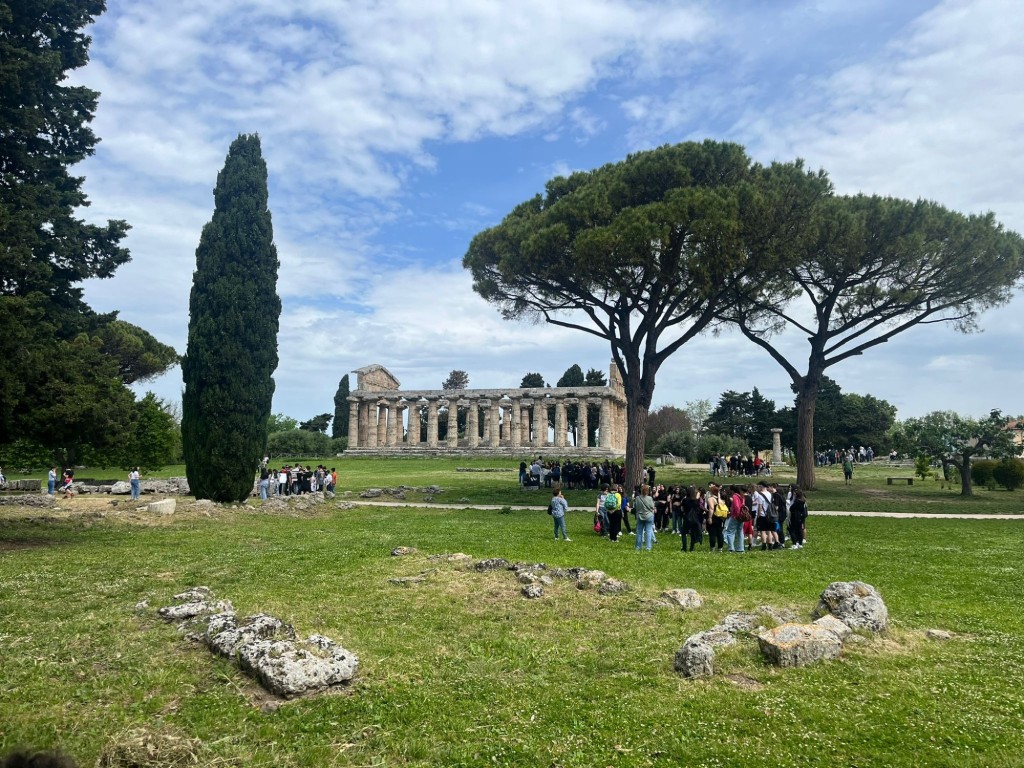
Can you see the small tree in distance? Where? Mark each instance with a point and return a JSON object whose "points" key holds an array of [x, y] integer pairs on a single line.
{"points": [[532, 381]]}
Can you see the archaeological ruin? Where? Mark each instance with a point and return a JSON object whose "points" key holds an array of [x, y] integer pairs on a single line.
{"points": [[386, 419]]}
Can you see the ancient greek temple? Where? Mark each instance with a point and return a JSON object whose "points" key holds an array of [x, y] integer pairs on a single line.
{"points": [[386, 419]]}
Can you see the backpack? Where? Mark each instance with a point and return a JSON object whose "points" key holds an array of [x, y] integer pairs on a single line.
{"points": [[551, 507], [611, 502], [721, 511]]}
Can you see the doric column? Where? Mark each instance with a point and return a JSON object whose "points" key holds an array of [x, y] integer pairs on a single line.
{"points": [[516, 420], [371, 424], [413, 437], [453, 423], [605, 425], [382, 422], [393, 411], [432, 423], [582, 427], [353, 423], [506, 424], [776, 446], [495, 422], [473, 425], [560, 426], [540, 422]]}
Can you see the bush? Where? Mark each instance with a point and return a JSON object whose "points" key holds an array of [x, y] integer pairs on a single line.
{"points": [[725, 445], [24, 454], [299, 442], [680, 443], [1009, 473], [922, 466], [981, 471]]}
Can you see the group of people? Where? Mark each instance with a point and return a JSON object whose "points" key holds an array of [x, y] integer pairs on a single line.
{"points": [[575, 475], [860, 455], [67, 482], [297, 480], [736, 465], [735, 518]]}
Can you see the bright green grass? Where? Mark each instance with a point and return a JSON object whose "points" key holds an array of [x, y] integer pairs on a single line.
{"points": [[868, 492], [461, 670]]}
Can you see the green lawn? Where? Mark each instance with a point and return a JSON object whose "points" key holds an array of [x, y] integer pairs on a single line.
{"points": [[461, 670]]}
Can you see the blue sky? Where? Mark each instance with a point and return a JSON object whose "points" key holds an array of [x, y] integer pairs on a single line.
{"points": [[395, 131]]}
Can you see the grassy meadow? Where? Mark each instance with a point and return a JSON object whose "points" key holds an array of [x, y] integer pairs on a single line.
{"points": [[461, 670]]}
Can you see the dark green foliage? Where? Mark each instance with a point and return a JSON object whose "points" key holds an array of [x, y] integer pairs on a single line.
{"points": [[140, 357], [1009, 473], [456, 380], [317, 423], [278, 422], [744, 415], [232, 337], [299, 443], [532, 380], [573, 377], [922, 466], [339, 426], [595, 378], [664, 420], [981, 471]]}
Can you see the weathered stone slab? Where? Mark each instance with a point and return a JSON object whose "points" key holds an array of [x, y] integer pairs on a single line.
{"points": [[613, 587], [533, 591], [403, 551], [938, 634], [716, 637], [797, 645], [225, 633], [292, 668], [492, 564], [695, 659], [856, 604], [685, 598], [162, 507], [590, 579], [830, 622], [121, 488]]}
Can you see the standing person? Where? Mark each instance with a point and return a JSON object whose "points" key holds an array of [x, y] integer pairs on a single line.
{"points": [[264, 482], [848, 468], [717, 514], [69, 483], [613, 511], [282, 481], [133, 480], [644, 506], [559, 506], [675, 503], [51, 480], [600, 515], [693, 518], [734, 523], [764, 517], [781, 510], [798, 519], [626, 507], [662, 502]]}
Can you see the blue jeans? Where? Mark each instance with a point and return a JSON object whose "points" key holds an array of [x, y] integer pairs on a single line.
{"points": [[135, 490], [51, 485], [560, 526], [734, 535], [264, 487], [644, 532]]}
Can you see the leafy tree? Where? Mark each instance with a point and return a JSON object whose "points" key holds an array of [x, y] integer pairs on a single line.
{"points": [[298, 444], [532, 381], [866, 420], [1009, 473], [52, 345], [456, 380], [573, 377], [869, 268], [341, 410], [595, 378], [679, 443], [698, 411], [317, 423], [153, 439], [663, 420], [748, 416], [641, 253], [278, 422], [954, 440], [232, 334]]}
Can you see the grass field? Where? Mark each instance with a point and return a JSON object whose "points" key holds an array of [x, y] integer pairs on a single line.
{"points": [[461, 670]]}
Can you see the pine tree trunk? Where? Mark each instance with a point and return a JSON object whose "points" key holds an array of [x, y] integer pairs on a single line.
{"points": [[805, 402], [965, 475], [636, 436]]}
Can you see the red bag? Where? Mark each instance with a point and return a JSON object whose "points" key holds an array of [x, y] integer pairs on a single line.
{"points": [[597, 527]]}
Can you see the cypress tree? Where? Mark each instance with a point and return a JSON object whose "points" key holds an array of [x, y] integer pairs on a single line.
{"points": [[234, 312], [341, 411]]}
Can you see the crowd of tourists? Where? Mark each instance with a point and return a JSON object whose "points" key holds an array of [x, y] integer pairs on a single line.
{"points": [[297, 480], [733, 518], [575, 475], [860, 455], [739, 465]]}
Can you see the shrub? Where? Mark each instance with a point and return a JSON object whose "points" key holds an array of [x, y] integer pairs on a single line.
{"points": [[1009, 473], [299, 442], [680, 443], [922, 466], [725, 445], [981, 471]]}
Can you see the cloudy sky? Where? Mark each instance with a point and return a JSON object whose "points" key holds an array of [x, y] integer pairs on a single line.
{"points": [[394, 131]]}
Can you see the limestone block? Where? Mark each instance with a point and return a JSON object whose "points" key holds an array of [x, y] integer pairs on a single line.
{"points": [[162, 507], [797, 645], [402, 551], [613, 587], [224, 632], [740, 622], [292, 668], [686, 599], [856, 604], [492, 564], [589, 579], [830, 622], [121, 488], [716, 637], [938, 634], [533, 591], [695, 659]]}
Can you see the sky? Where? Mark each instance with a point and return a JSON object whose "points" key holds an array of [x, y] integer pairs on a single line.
{"points": [[395, 131]]}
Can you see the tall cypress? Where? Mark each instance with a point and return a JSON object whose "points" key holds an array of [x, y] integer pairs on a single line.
{"points": [[341, 410], [234, 311]]}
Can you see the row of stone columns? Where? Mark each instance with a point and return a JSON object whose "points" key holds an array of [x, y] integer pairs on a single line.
{"points": [[376, 421]]}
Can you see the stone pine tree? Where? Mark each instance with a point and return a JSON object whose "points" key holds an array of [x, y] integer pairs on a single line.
{"points": [[232, 335], [339, 426]]}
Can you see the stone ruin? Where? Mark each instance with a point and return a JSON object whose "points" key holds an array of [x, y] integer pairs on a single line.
{"points": [[261, 645]]}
